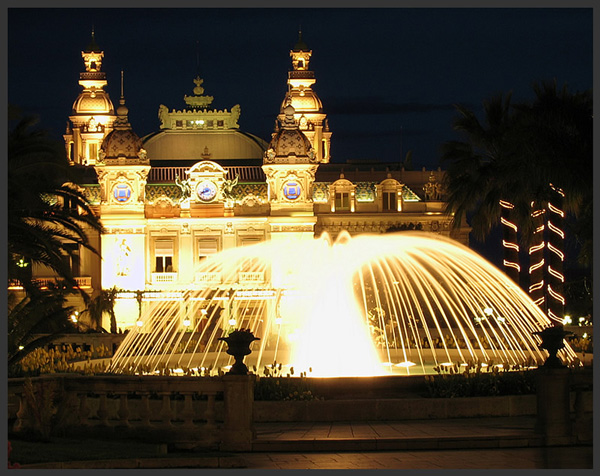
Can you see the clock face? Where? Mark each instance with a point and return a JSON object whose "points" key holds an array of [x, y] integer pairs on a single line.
{"points": [[121, 192], [206, 190], [291, 190]]}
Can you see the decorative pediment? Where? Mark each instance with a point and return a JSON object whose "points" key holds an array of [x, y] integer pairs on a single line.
{"points": [[207, 167], [390, 183], [343, 183]]}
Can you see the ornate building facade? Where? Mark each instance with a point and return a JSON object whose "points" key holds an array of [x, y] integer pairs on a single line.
{"points": [[199, 185]]}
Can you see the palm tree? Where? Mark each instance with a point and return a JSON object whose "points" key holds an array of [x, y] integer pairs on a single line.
{"points": [[557, 128], [35, 321], [45, 214], [536, 153], [103, 303], [477, 179], [45, 210], [558, 125]]}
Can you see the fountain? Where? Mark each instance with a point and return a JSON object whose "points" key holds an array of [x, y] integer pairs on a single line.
{"points": [[392, 304]]}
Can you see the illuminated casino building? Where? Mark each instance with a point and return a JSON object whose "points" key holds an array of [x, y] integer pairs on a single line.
{"points": [[200, 185]]}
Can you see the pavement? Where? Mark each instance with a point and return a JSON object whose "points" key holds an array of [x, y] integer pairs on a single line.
{"points": [[465, 443]]}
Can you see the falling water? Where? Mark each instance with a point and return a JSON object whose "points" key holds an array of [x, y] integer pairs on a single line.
{"points": [[369, 305]]}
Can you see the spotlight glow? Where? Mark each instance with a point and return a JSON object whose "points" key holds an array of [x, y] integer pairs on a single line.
{"points": [[351, 307]]}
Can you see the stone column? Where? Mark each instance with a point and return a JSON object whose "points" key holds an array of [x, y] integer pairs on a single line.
{"points": [[553, 405], [238, 429]]}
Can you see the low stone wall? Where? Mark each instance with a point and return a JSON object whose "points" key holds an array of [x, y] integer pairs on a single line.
{"points": [[404, 408], [153, 408], [394, 409]]}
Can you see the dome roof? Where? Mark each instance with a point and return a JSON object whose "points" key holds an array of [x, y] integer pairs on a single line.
{"points": [[195, 145], [122, 142], [308, 102], [289, 140], [89, 102]]}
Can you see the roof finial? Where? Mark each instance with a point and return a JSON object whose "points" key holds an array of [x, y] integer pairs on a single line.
{"points": [[122, 110], [93, 47], [122, 94], [300, 45]]}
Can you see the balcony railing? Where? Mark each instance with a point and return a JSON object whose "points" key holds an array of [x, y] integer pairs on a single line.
{"points": [[164, 278], [84, 282], [246, 173], [301, 74], [253, 277], [208, 278]]}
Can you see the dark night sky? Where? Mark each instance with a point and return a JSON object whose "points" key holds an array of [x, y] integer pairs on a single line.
{"points": [[388, 78]]}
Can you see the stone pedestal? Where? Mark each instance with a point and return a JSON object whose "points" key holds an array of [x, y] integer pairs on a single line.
{"points": [[238, 431], [553, 405]]}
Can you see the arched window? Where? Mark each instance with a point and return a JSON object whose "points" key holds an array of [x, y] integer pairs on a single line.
{"points": [[389, 195], [342, 195]]}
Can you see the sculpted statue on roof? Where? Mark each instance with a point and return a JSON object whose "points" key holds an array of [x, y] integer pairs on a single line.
{"points": [[198, 90]]}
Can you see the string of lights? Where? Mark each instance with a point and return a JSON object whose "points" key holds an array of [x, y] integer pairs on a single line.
{"points": [[536, 257], [556, 257], [509, 242]]}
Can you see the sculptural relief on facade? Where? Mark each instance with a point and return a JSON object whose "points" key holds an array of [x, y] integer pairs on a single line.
{"points": [[433, 189]]}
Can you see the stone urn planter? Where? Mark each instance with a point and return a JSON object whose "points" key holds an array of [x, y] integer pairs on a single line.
{"points": [[552, 341], [238, 343]]}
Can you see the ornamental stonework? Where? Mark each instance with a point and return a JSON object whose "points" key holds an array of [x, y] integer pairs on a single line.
{"points": [[125, 231]]}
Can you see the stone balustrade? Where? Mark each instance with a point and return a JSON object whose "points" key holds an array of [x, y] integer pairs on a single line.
{"points": [[199, 412]]}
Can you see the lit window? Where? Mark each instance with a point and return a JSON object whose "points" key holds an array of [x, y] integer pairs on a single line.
{"points": [[341, 193], [71, 205], [72, 259], [388, 195], [163, 253], [92, 151], [390, 203], [342, 200]]}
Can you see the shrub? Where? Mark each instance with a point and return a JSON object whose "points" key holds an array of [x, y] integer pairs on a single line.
{"points": [[479, 384], [282, 388]]}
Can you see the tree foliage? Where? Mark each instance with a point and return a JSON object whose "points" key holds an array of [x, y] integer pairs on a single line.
{"points": [[34, 320], [103, 303], [47, 214], [515, 152], [45, 209]]}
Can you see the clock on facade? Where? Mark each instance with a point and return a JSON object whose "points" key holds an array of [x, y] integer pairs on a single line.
{"points": [[206, 190], [122, 192], [291, 190]]}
